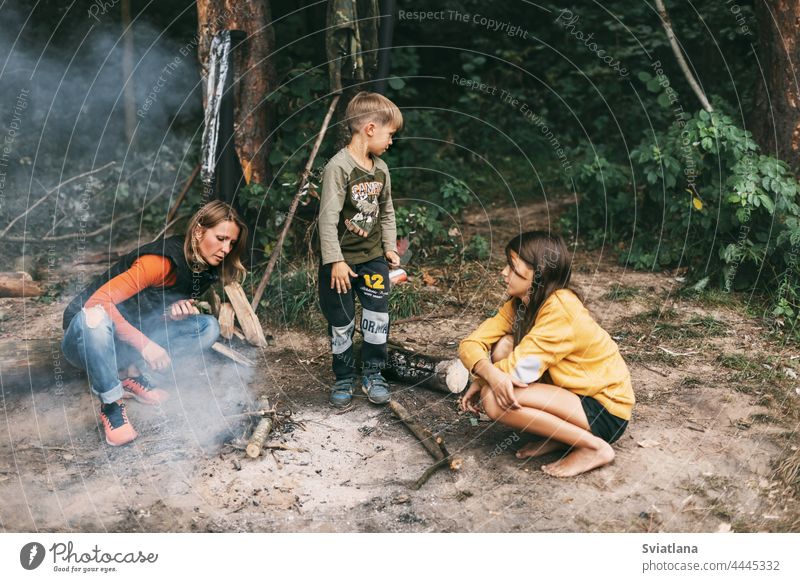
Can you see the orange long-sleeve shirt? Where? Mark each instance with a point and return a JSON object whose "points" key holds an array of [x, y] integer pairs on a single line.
{"points": [[146, 271]]}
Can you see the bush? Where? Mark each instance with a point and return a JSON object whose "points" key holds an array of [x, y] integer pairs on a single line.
{"points": [[429, 224], [699, 195]]}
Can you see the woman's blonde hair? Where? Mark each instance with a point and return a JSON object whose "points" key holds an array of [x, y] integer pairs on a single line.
{"points": [[366, 107], [209, 216]]}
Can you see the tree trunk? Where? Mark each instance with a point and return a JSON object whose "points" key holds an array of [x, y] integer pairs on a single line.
{"points": [[776, 116], [255, 75]]}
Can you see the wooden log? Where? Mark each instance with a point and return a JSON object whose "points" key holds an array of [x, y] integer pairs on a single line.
{"points": [[18, 284], [34, 364], [261, 433], [214, 302], [233, 355], [245, 314], [441, 374], [225, 317]]}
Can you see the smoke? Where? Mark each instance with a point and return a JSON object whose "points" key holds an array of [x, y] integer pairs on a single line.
{"points": [[66, 69], [209, 395]]}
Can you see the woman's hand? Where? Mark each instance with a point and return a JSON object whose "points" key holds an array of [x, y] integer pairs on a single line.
{"points": [[502, 386], [470, 401], [155, 356], [182, 309], [340, 276]]}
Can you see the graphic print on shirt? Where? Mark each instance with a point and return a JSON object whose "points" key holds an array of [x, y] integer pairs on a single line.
{"points": [[364, 195]]}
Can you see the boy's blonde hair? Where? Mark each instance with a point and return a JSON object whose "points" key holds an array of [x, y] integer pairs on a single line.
{"points": [[374, 107]]}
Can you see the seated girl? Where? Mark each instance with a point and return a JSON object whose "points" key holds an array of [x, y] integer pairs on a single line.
{"points": [[584, 401], [143, 310]]}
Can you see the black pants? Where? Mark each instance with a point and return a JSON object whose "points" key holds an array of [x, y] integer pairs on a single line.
{"points": [[372, 288]]}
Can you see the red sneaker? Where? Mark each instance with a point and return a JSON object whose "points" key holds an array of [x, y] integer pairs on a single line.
{"points": [[118, 429], [143, 390]]}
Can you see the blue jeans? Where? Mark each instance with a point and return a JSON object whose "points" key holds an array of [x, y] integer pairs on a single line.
{"points": [[95, 349]]}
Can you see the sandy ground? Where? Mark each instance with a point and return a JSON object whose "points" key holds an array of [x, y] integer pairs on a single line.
{"points": [[711, 421]]}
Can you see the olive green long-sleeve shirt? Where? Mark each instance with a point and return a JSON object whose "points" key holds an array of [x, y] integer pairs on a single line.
{"points": [[364, 198]]}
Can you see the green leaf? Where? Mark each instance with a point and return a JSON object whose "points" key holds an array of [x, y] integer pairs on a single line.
{"points": [[397, 83]]}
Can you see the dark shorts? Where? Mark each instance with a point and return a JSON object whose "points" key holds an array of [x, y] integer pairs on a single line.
{"points": [[603, 424]]}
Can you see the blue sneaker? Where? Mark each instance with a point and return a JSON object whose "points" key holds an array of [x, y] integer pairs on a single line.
{"points": [[342, 392], [376, 388]]}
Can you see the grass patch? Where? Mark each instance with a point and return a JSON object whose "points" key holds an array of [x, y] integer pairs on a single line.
{"points": [[653, 315], [691, 382], [762, 418], [405, 300], [788, 468], [695, 327], [290, 299], [654, 357], [707, 325], [621, 293], [735, 361]]}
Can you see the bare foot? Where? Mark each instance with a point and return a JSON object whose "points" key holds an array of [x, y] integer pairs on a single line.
{"points": [[580, 461], [541, 447]]}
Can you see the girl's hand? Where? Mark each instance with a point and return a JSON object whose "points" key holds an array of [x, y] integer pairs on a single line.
{"points": [[182, 309], [155, 356], [340, 276], [502, 386], [469, 401]]}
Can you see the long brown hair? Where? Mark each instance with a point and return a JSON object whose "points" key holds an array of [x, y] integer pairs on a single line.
{"points": [[547, 255], [209, 216]]}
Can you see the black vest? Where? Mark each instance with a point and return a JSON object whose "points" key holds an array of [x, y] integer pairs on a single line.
{"points": [[152, 301]]}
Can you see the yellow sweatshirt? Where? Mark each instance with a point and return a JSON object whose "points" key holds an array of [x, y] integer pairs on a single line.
{"points": [[567, 342]]}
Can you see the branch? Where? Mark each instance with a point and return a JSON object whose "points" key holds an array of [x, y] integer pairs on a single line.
{"points": [[169, 224], [174, 210], [71, 235], [293, 208], [662, 12], [49, 192]]}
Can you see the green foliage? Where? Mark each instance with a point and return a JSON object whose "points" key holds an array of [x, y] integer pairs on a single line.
{"points": [[300, 106], [430, 222], [699, 194], [477, 249]]}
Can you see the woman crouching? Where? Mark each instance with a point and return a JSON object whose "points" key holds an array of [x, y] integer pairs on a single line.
{"points": [[142, 311], [584, 402]]}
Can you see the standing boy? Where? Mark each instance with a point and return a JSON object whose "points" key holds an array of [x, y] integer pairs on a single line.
{"points": [[358, 236]]}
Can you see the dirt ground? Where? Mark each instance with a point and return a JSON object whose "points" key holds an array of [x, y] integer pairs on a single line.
{"points": [[712, 421]]}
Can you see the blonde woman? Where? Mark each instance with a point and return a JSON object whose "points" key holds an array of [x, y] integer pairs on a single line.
{"points": [[142, 311]]}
